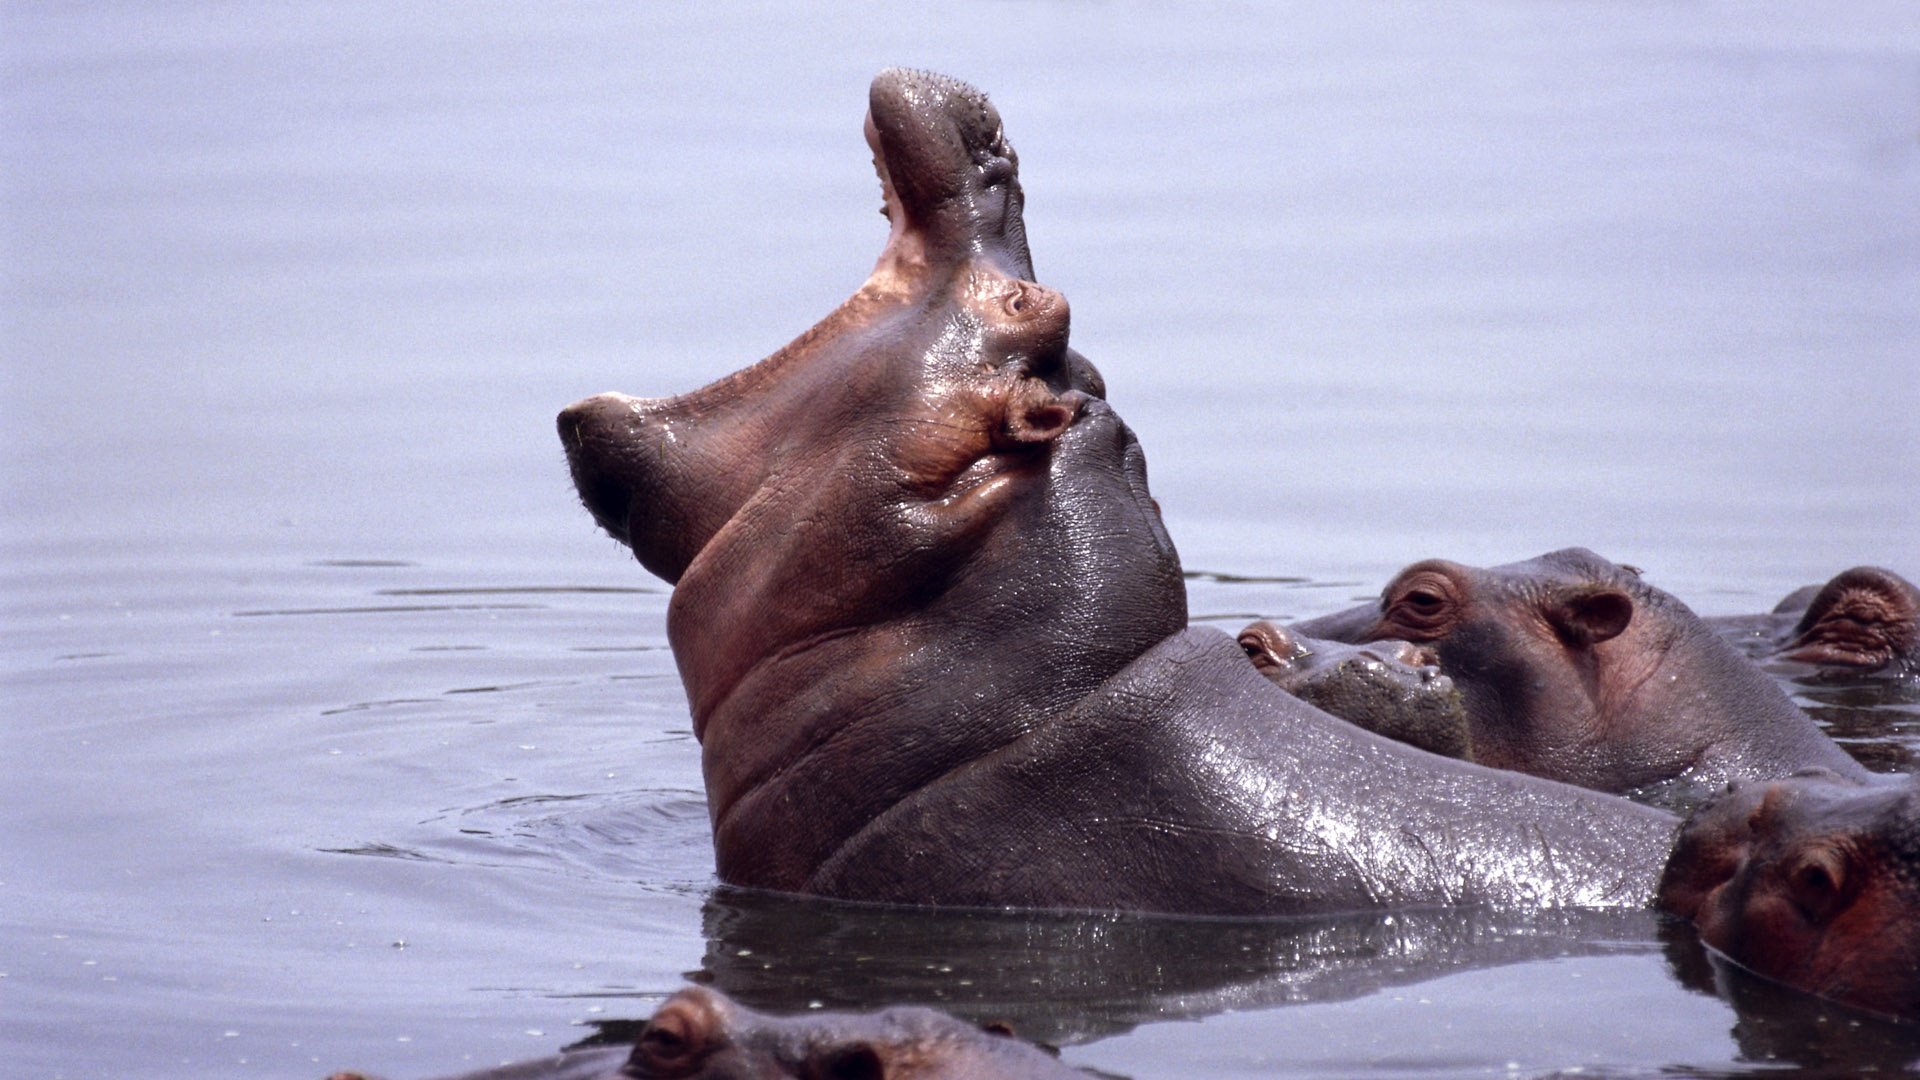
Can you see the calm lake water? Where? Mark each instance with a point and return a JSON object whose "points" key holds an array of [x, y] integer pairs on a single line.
{"points": [[334, 736]]}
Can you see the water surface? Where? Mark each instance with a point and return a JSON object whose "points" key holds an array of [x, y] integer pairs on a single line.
{"points": [[336, 737]]}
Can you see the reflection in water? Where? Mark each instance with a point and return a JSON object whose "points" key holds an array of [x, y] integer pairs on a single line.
{"points": [[1072, 977], [1876, 718], [295, 290]]}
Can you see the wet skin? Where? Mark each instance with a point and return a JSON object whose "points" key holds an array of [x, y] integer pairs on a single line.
{"points": [[1812, 881], [1391, 688], [701, 1034], [933, 633], [1864, 621], [1575, 668]]}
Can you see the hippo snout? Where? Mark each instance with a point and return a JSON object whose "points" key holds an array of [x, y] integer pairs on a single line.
{"points": [[588, 430]]}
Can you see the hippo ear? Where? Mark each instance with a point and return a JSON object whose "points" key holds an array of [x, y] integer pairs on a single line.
{"points": [[1588, 617]]}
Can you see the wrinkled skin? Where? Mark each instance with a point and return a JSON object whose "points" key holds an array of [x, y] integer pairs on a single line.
{"points": [[932, 631], [1865, 621], [1392, 688], [1574, 668], [1812, 881]]}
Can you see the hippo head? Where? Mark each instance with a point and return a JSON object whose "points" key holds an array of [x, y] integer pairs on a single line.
{"points": [[923, 497], [698, 1033], [1533, 642], [1575, 669], [1866, 618], [938, 377], [1391, 688], [1809, 881]]}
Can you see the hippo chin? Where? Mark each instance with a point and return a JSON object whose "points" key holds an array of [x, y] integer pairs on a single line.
{"points": [[1811, 881], [1576, 669], [933, 634], [1864, 621], [1392, 688]]}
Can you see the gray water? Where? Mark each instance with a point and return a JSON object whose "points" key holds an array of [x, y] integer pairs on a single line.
{"points": [[335, 737]]}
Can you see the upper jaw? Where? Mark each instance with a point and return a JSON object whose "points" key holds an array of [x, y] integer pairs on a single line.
{"points": [[589, 430]]}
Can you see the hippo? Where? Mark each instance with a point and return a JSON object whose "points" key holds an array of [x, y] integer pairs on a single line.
{"points": [[933, 632], [1576, 669], [1864, 621], [1394, 688], [1810, 880], [701, 1034]]}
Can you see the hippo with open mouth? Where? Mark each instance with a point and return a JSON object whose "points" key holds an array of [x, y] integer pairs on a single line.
{"points": [[934, 635]]}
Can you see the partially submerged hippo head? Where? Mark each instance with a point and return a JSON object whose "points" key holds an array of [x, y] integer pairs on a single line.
{"points": [[1865, 619], [922, 489], [1576, 669], [1391, 688], [699, 1033], [1811, 881]]}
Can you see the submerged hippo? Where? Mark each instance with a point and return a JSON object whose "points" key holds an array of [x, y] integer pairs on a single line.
{"points": [[1811, 881], [701, 1034], [1866, 620], [1574, 668], [933, 634], [1394, 688]]}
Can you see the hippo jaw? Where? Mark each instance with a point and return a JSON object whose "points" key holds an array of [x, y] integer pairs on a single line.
{"points": [[663, 475]]}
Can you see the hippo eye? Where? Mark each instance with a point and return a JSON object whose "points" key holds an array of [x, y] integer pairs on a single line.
{"points": [[1419, 612], [857, 1062]]}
